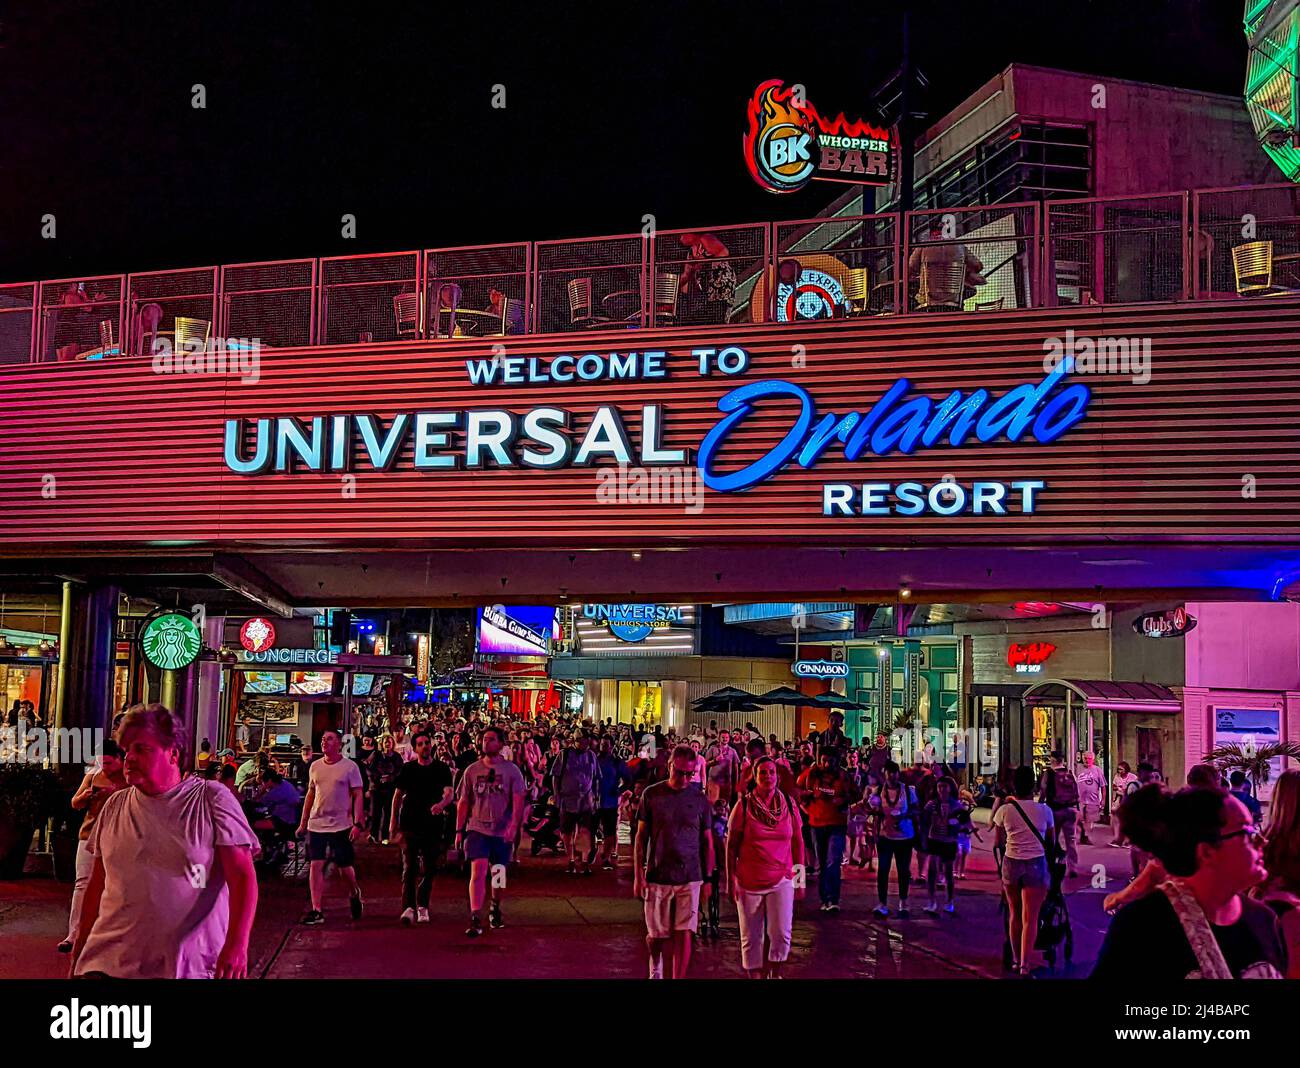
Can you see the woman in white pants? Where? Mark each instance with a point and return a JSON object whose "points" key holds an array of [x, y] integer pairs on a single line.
{"points": [[96, 788], [764, 848]]}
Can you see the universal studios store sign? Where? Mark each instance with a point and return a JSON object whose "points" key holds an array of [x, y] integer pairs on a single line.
{"points": [[549, 437]]}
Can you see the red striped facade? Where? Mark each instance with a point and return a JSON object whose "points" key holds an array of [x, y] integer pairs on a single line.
{"points": [[110, 456]]}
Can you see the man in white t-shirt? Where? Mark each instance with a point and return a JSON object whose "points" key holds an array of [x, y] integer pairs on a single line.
{"points": [[173, 892], [1092, 788], [332, 819]]}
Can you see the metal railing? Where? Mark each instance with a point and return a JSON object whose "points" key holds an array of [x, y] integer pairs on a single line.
{"points": [[1117, 250], [1208, 244]]}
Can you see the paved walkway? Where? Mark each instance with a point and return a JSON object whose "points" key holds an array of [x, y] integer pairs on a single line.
{"points": [[562, 926]]}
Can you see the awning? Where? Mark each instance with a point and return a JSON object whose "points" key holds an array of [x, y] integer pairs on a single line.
{"points": [[1102, 694]]}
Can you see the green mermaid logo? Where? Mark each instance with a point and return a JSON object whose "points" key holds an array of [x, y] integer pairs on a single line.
{"points": [[171, 641]]}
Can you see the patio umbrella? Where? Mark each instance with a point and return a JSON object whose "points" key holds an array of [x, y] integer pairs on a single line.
{"points": [[729, 706], [786, 695], [727, 694], [835, 701]]}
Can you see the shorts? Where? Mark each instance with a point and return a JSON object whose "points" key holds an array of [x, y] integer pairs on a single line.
{"points": [[331, 845], [607, 821], [479, 846], [1090, 813], [1025, 874], [670, 908], [963, 844], [571, 821], [942, 849]]}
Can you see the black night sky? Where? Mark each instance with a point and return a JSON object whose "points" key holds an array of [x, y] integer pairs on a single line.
{"points": [[384, 111]]}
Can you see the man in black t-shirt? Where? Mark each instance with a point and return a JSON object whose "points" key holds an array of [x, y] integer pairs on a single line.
{"points": [[422, 795]]}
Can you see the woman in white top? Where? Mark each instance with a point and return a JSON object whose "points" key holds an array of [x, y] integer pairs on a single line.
{"points": [[1123, 783], [1026, 825]]}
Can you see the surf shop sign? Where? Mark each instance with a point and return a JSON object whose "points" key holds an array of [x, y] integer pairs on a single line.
{"points": [[789, 143]]}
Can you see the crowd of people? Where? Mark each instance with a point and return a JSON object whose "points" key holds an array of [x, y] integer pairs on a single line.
{"points": [[711, 814]]}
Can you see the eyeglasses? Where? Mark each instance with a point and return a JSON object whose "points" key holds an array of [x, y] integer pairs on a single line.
{"points": [[1250, 833]]}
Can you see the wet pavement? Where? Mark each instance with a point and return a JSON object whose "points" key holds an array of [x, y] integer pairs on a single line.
{"points": [[573, 926]]}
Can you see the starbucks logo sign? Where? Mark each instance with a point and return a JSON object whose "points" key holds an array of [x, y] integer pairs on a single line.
{"points": [[171, 641]]}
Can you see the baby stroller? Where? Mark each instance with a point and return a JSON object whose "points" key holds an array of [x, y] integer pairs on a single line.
{"points": [[708, 927], [543, 825], [1055, 937]]}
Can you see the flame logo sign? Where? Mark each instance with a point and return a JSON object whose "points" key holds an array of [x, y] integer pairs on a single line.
{"points": [[781, 145]]}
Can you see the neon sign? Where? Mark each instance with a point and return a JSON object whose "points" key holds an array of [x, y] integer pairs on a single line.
{"points": [[257, 634], [789, 144], [634, 622], [1028, 658], [551, 438], [820, 669], [816, 295], [1172, 624]]}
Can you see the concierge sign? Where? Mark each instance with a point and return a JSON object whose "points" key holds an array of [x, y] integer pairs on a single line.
{"points": [[788, 143], [549, 435]]}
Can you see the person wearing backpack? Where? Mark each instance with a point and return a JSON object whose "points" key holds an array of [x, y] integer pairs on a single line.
{"points": [[1059, 790], [574, 783]]}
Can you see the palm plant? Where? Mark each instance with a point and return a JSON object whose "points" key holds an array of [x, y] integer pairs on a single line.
{"points": [[1253, 760]]}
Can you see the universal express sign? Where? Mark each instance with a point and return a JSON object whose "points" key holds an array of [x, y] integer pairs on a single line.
{"points": [[899, 422]]}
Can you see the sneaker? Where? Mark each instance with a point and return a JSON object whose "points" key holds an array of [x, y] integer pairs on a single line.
{"points": [[607, 866], [833, 906], [572, 869], [826, 906], [586, 869], [355, 904], [881, 910], [65, 946], [950, 908], [932, 908], [904, 913], [408, 917], [475, 927], [314, 918], [421, 915], [495, 918]]}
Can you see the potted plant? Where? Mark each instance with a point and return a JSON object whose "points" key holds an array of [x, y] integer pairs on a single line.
{"points": [[29, 795], [1254, 760]]}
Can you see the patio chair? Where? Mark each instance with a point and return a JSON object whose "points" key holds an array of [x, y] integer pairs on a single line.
{"points": [[147, 320], [1252, 265], [408, 311], [941, 286], [191, 333], [667, 289], [449, 294], [580, 302], [857, 289]]}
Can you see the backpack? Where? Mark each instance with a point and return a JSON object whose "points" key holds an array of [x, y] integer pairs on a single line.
{"points": [[561, 765], [1062, 790]]}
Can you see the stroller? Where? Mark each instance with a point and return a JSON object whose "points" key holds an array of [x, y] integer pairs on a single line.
{"points": [[543, 825], [708, 922]]}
